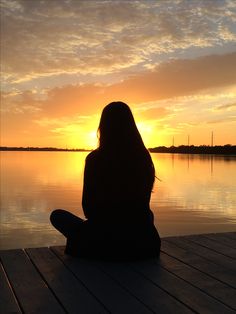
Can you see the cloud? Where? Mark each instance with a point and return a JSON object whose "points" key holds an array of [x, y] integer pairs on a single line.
{"points": [[154, 113], [48, 39], [179, 78], [172, 79], [226, 107], [20, 102], [223, 120]]}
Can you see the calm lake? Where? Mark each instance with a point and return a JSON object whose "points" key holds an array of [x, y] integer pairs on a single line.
{"points": [[196, 194]]}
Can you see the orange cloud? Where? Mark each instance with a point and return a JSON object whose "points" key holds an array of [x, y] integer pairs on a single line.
{"points": [[226, 107], [55, 114], [155, 113], [172, 79], [178, 78]]}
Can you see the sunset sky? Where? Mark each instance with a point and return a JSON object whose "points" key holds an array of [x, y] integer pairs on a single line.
{"points": [[173, 62]]}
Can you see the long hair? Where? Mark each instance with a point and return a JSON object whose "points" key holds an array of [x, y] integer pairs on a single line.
{"points": [[118, 134]]}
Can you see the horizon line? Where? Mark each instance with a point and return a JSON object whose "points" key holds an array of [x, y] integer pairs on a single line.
{"points": [[90, 149]]}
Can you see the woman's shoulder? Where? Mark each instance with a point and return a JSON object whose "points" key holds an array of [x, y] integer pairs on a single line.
{"points": [[93, 156]]}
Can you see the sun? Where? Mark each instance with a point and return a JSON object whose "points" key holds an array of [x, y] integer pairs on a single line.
{"points": [[92, 139]]}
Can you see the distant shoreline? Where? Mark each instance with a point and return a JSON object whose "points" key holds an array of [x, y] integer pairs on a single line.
{"points": [[202, 149], [44, 149]]}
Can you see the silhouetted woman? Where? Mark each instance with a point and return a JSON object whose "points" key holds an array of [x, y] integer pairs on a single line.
{"points": [[118, 181]]}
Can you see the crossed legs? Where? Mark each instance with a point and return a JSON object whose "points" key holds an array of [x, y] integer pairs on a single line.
{"points": [[69, 225]]}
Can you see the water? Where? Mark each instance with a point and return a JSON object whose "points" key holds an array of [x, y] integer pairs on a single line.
{"points": [[196, 194]]}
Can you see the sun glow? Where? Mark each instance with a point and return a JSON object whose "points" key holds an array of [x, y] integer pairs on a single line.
{"points": [[92, 139], [84, 60], [146, 132]]}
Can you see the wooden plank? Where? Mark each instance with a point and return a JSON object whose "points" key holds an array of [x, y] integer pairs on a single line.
{"points": [[7, 299], [209, 285], [151, 295], [213, 245], [194, 298], [216, 258], [110, 293], [190, 277], [200, 263], [31, 291], [231, 235], [220, 238], [68, 289]]}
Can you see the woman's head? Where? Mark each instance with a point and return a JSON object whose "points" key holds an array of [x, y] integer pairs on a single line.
{"points": [[120, 139], [117, 128]]}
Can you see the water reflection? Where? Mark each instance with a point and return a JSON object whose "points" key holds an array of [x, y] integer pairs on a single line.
{"points": [[196, 194]]}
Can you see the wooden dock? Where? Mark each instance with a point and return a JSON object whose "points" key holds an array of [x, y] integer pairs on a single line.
{"points": [[195, 274]]}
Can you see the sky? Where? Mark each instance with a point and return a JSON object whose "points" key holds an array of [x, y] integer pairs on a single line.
{"points": [[173, 62]]}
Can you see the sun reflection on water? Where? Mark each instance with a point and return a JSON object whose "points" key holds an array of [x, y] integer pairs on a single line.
{"points": [[196, 194]]}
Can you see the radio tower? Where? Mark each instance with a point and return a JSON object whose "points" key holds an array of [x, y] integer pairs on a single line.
{"points": [[212, 139]]}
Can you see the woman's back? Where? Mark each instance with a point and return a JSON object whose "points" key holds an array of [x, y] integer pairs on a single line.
{"points": [[116, 203], [117, 186]]}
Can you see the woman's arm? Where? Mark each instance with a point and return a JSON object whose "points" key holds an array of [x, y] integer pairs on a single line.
{"points": [[88, 187]]}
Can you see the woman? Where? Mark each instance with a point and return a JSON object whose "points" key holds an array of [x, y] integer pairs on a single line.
{"points": [[118, 180]]}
